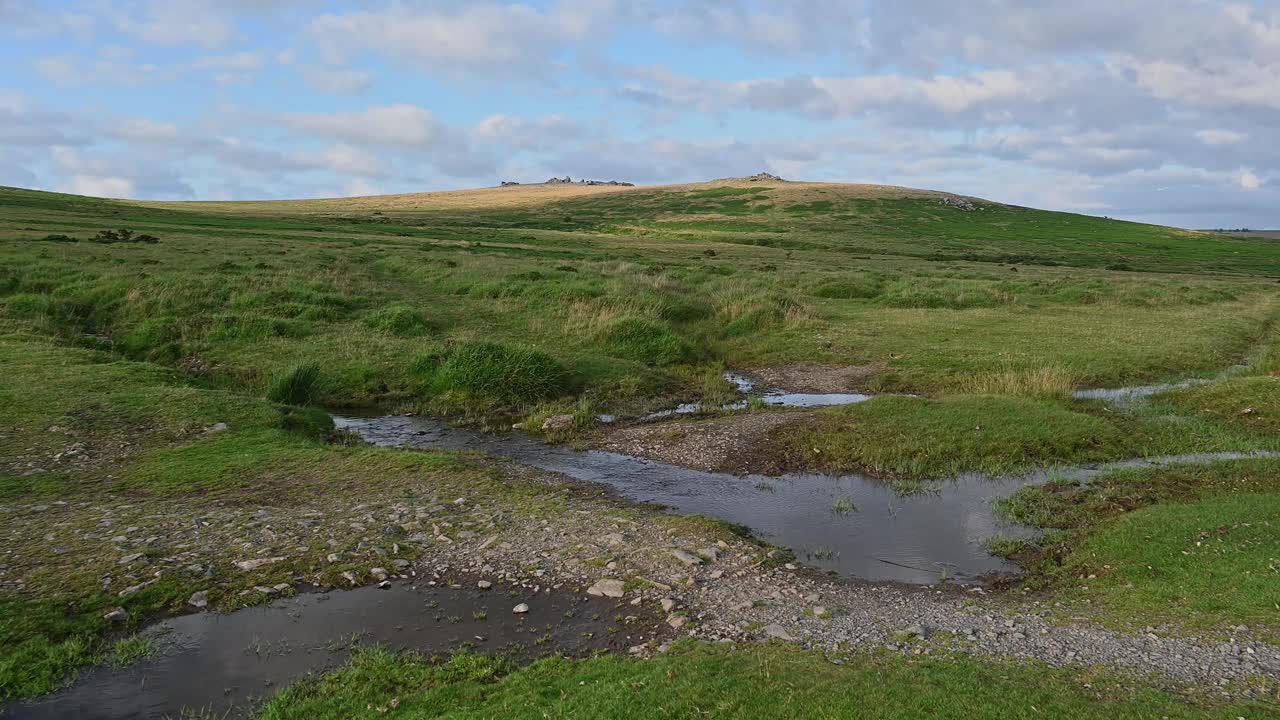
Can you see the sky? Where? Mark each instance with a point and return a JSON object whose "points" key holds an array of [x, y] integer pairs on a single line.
{"points": [[1163, 111]]}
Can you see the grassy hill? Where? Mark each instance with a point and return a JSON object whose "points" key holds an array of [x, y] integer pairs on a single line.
{"points": [[121, 352]]}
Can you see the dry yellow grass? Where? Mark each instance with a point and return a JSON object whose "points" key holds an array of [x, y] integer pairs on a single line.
{"points": [[524, 196], [1045, 382]]}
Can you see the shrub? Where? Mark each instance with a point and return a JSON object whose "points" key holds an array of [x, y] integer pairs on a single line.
{"points": [[297, 386], [400, 320], [501, 373], [123, 235], [645, 342]]}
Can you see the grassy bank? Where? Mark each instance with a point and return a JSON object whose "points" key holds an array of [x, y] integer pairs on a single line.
{"points": [[698, 680], [1194, 547]]}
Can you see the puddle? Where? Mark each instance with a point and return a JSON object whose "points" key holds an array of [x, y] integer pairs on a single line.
{"points": [[222, 665], [776, 398], [1139, 392], [1134, 393], [852, 525]]}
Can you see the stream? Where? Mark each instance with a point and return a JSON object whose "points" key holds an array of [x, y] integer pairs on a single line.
{"points": [[852, 525]]}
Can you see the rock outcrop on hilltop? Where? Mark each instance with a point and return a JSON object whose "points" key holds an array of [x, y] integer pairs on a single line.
{"points": [[566, 180], [763, 177]]}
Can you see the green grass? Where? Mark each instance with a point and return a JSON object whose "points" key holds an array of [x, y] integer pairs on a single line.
{"points": [[1197, 547], [910, 438], [700, 680], [299, 385], [616, 303]]}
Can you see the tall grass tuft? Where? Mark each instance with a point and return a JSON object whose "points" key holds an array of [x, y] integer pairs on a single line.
{"points": [[1047, 382], [297, 386], [647, 342], [501, 373]]}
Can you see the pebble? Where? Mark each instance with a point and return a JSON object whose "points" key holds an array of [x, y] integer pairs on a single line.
{"points": [[686, 557], [248, 565], [520, 609], [607, 587], [484, 584], [199, 599], [116, 615]]}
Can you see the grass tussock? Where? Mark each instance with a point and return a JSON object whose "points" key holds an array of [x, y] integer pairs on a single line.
{"points": [[647, 342], [504, 374], [299, 385], [1046, 382]]}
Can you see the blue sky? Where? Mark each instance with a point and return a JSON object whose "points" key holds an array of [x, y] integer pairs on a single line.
{"points": [[1158, 110]]}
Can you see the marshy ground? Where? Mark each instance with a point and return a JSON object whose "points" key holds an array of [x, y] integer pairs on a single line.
{"points": [[160, 446]]}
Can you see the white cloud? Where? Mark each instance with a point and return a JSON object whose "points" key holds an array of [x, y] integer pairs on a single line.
{"points": [[337, 81], [1219, 137], [400, 124], [1249, 181], [99, 186], [493, 39]]}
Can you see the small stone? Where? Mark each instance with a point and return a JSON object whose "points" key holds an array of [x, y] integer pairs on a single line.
{"points": [[282, 587], [248, 565], [710, 553], [716, 574], [613, 539], [557, 423], [130, 558], [199, 599], [820, 612], [378, 573], [777, 632], [685, 557], [607, 587], [351, 577], [333, 557], [216, 428], [384, 584], [919, 631], [677, 621], [265, 590], [115, 614], [667, 604], [520, 609], [484, 584]]}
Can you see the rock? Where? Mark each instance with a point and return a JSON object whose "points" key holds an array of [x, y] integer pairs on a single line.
{"points": [[282, 587], [351, 577], [820, 612], [763, 177], [918, 630], [677, 621], [685, 557], [265, 590], [484, 584], [667, 604], [777, 632], [384, 584], [378, 573], [248, 565], [199, 599], [216, 428], [607, 587], [116, 615], [557, 423], [710, 553], [613, 539], [130, 558], [520, 609], [333, 557]]}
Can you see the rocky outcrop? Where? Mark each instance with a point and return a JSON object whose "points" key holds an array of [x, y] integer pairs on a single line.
{"points": [[960, 203]]}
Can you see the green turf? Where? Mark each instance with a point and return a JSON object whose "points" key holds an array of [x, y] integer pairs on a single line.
{"points": [[703, 681], [1196, 547]]}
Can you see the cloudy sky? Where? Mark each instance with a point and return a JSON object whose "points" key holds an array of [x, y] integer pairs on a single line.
{"points": [[1159, 110]]}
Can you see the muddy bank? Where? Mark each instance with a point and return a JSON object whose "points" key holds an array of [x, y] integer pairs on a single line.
{"points": [[214, 665]]}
